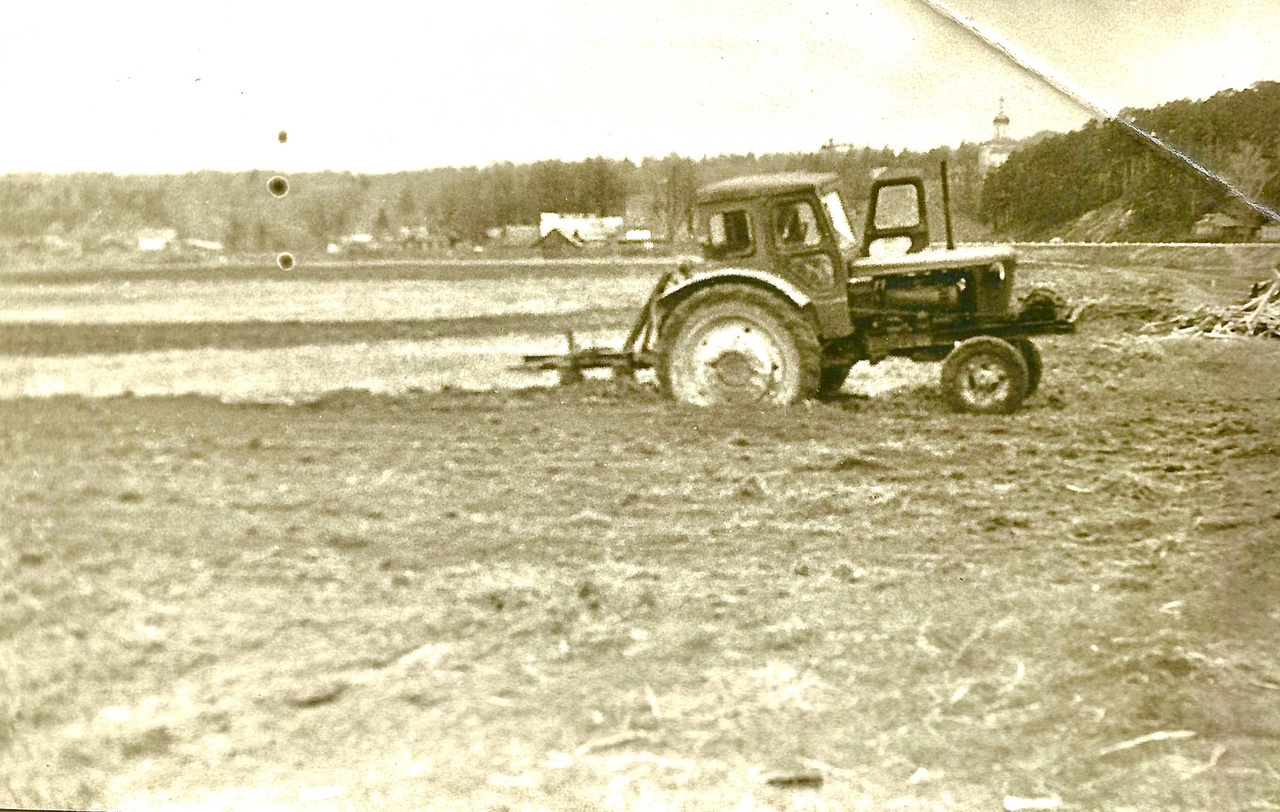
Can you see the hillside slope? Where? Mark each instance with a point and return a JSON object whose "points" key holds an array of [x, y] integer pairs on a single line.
{"points": [[1103, 166]]}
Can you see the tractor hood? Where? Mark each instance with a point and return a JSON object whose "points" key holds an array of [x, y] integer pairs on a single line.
{"points": [[932, 259]]}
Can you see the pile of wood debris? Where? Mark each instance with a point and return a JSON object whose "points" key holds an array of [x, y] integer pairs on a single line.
{"points": [[1259, 315]]}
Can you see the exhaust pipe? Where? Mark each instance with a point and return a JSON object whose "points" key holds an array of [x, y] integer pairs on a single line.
{"points": [[946, 208]]}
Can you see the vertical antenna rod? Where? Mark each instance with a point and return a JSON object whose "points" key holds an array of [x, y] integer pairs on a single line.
{"points": [[946, 208]]}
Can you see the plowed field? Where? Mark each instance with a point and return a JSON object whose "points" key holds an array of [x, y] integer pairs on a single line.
{"points": [[591, 598]]}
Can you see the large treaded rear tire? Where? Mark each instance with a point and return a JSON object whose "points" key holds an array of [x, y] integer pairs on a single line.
{"points": [[1042, 304], [984, 375], [736, 343]]}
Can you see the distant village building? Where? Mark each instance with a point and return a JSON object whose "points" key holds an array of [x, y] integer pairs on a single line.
{"points": [[1269, 232], [1219, 227], [211, 246], [512, 236], [353, 244], [636, 241], [584, 227], [420, 239], [996, 151], [114, 243], [156, 239], [556, 244]]}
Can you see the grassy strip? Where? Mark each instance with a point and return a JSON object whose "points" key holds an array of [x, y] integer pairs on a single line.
{"points": [[46, 339], [332, 271]]}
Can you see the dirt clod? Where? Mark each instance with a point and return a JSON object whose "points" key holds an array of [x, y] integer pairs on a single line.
{"points": [[801, 780], [752, 487], [319, 694]]}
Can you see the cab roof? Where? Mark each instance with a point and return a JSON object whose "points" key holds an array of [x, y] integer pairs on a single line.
{"points": [[775, 183]]}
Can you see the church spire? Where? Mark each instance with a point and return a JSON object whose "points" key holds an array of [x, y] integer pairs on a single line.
{"points": [[1001, 123]]}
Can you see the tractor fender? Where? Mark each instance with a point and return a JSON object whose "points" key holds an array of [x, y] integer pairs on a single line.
{"points": [[685, 287]]}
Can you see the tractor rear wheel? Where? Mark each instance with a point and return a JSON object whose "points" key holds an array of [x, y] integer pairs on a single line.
{"points": [[735, 343], [832, 380], [984, 375], [1035, 365]]}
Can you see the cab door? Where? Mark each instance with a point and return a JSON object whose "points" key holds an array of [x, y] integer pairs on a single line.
{"points": [[896, 217], [807, 254]]}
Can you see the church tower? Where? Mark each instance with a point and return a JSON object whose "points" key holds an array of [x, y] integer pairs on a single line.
{"points": [[1001, 122], [996, 151]]}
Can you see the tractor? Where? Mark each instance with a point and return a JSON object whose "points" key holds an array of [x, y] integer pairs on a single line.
{"points": [[786, 299]]}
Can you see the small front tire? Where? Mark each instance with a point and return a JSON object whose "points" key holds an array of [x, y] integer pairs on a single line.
{"points": [[1035, 365], [984, 375]]}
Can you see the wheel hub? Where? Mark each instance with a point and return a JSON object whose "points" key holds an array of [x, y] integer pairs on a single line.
{"points": [[736, 361], [735, 369], [985, 382]]}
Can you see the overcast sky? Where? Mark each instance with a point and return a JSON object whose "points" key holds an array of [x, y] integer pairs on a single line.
{"points": [[377, 86]]}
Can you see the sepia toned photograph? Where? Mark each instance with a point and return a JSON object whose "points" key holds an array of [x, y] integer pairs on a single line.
{"points": [[779, 405]]}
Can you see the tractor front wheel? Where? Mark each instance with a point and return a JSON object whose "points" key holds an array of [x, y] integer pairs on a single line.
{"points": [[984, 375], [1035, 365], [735, 343]]}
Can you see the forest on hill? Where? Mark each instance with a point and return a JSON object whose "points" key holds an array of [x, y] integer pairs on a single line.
{"points": [[1043, 188]]}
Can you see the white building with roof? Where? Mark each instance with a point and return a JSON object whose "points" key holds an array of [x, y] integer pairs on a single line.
{"points": [[587, 228]]}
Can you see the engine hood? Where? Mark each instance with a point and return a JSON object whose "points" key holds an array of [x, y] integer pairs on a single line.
{"points": [[932, 259]]}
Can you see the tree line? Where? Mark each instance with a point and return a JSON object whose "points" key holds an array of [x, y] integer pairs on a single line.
{"points": [[456, 204], [1047, 185]]}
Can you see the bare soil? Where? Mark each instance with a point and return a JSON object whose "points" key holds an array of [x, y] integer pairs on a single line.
{"points": [[592, 598]]}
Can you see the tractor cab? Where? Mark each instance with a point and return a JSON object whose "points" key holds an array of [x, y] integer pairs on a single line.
{"points": [[793, 230], [754, 219], [787, 230]]}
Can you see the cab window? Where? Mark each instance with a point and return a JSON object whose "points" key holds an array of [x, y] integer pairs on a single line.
{"points": [[839, 220], [729, 232], [795, 225]]}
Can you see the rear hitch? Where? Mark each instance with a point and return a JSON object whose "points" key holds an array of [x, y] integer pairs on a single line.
{"points": [[635, 353]]}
